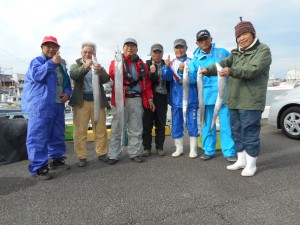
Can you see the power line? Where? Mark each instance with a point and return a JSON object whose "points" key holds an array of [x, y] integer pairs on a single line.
{"points": [[21, 60]]}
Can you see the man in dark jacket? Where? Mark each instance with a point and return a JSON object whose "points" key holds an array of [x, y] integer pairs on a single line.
{"points": [[160, 100]]}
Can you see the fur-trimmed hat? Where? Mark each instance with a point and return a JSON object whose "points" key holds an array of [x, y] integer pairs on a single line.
{"points": [[244, 27]]}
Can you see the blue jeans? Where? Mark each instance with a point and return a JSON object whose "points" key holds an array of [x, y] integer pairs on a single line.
{"points": [[245, 128]]}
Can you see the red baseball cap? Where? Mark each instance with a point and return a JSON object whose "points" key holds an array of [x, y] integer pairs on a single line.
{"points": [[50, 39]]}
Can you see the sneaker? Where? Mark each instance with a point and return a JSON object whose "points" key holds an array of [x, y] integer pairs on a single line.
{"points": [[160, 152], [137, 159], [206, 157], [231, 159], [112, 161], [146, 153], [82, 162], [42, 174], [103, 158], [60, 163]]}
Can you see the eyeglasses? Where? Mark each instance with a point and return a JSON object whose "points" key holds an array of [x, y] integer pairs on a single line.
{"points": [[87, 53]]}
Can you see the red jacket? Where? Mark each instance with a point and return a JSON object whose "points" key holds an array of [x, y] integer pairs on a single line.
{"points": [[145, 84]]}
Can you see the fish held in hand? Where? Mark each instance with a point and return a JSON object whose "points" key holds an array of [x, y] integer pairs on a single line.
{"points": [[222, 89], [200, 96], [119, 97], [185, 88], [96, 91]]}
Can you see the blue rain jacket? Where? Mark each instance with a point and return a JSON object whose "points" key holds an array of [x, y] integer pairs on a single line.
{"points": [[210, 84], [175, 100], [39, 93], [210, 95], [176, 89]]}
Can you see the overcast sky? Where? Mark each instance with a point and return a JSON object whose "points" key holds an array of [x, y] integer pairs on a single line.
{"points": [[109, 22]]}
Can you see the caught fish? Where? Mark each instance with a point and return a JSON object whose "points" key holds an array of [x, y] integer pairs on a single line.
{"points": [[222, 87], [185, 88], [200, 96], [119, 97], [96, 91]]}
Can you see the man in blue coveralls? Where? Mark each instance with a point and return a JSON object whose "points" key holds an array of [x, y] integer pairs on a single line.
{"points": [[207, 54], [46, 88]]}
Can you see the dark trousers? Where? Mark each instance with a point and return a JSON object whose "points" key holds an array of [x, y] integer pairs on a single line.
{"points": [[245, 128], [156, 118]]}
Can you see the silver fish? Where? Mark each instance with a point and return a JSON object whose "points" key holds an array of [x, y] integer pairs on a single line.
{"points": [[96, 91], [119, 97], [200, 96], [185, 88], [222, 89]]}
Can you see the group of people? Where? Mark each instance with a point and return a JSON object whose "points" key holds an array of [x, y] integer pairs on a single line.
{"points": [[148, 88]]}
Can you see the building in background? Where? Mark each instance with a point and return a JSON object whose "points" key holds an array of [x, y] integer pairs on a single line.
{"points": [[11, 87], [293, 76]]}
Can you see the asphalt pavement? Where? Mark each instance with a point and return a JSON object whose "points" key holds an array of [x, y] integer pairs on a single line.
{"points": [[162, 190]]}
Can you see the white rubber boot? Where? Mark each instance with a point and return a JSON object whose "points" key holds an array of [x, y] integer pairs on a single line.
{"points": [[250, 168], [193, 147], [179, 147], [240, 163]]}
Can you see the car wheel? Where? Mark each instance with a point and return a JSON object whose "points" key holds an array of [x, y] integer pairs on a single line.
{"points": [[290, 122]]}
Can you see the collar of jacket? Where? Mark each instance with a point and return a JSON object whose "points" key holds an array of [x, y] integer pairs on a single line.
{"points": [[182, 59], [45, 57], [130, 59], [79, 61], [63, 62], [198, 53], [249, 47], [149, 62], [248, 50]]}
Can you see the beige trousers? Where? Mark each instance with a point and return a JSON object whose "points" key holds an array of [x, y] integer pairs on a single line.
{"points": [[81, 118]]}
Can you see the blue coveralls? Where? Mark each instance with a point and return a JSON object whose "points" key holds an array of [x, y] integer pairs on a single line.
{"points": [[46, 123], [210, 94], [175, 101]]}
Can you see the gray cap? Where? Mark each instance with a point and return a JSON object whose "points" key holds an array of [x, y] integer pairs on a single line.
{"points": [[181, 42], [130, 40], [157, 47]]}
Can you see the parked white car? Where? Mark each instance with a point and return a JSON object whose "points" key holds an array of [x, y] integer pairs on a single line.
{"points": [[284, 113]]}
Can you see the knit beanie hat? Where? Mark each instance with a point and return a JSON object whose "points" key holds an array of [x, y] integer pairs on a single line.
{"points": [[244, 27]]}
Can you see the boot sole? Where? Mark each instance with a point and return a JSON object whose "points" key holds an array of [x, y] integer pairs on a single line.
{"points": [[235, 168], [177, 155]]}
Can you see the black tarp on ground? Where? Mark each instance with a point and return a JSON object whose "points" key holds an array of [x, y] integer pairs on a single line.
{"points": [[12, 140]]}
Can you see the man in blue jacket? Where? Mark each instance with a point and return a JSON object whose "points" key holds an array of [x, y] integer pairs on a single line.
{"points": [[183, 99], [207, 54], [46, 89]]}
